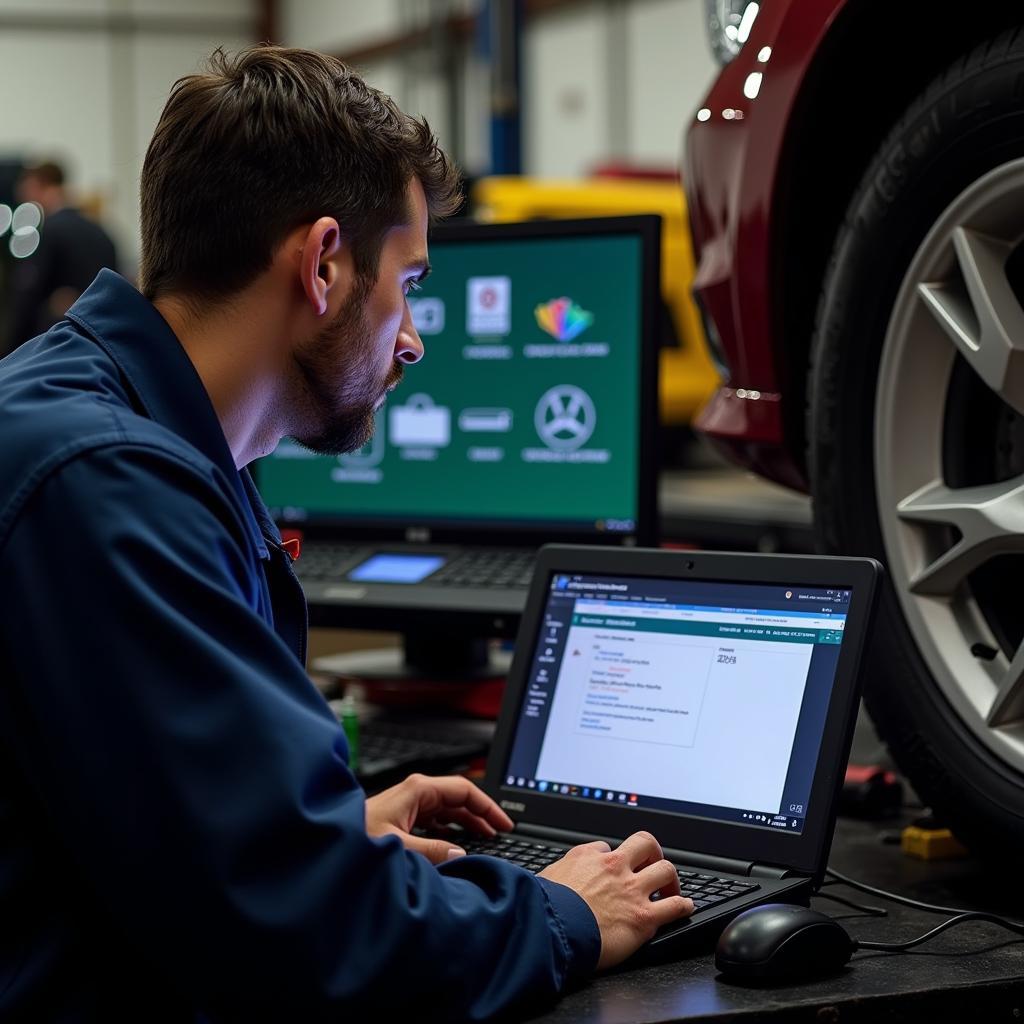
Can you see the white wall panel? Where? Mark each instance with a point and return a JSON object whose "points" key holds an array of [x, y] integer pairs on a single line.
{"points": [[565, 97], [55, 100], [336, 25], [49, 7], [671, 68], [90, 96]]}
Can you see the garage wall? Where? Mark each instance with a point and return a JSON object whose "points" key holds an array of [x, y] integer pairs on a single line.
{"points": [[332, 26], [601, 79], [85, 80]]}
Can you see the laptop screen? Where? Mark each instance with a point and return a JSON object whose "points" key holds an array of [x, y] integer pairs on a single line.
{"points": [[527, 411], [700, 698]]}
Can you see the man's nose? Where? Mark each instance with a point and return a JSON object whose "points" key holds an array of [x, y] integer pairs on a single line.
{"points": [[409, 347]]}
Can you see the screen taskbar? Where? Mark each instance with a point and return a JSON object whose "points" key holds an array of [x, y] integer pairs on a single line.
{"points": [[792, 823]]}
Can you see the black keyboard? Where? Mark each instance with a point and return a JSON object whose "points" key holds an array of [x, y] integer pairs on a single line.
{"points": [[323, 561], [389, 750], [485, 568], [499, 568], [706, 890]]}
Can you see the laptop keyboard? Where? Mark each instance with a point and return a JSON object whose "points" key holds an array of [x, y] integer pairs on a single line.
{"points": [[484, 567], [709, 890], [706, 890]]}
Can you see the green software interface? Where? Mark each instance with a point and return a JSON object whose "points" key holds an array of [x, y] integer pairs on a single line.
{"points": [[524, 410]]}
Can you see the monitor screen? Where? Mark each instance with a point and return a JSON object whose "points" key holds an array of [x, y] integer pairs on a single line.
{"points": [[529, 408], [700, 698]]}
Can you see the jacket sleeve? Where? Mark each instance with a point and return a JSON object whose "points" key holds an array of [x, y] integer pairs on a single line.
{"points": [[200, 782]]}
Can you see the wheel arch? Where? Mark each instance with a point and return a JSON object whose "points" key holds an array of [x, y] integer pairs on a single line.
{"points": [[840, 117]]}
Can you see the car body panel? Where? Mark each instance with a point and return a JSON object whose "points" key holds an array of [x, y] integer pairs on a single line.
{"points": [[734, 166]]}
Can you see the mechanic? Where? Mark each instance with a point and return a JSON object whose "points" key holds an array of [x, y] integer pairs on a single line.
{"points": [[181, 838]]}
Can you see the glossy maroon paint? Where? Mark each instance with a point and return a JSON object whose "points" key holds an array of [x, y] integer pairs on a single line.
{"points": [[731, 175]]}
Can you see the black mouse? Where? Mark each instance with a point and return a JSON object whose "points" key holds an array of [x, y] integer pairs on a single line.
{"points": [[779, 941]]}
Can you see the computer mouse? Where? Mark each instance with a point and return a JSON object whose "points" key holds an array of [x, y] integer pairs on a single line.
{"points": [[779, 941]]}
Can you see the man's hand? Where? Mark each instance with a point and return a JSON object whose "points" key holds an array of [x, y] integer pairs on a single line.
{"points": [[429, 803], [617, 886]]}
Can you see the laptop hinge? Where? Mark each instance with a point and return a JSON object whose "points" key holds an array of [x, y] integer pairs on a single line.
{"points": [[706, 860], [770, 871]]}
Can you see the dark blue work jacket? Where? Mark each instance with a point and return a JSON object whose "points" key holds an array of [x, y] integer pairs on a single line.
{"points": [[180, 835]]}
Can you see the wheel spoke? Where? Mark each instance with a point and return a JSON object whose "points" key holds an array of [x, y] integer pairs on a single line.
{"points": [[1008, 707], [990, 520], [983, 317], [949, 393]]}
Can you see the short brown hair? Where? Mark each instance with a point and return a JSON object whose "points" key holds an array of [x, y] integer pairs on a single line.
{"points": [[262, 142], [49, 172]]}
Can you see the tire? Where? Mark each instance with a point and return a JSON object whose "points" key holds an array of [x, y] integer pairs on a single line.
{"points": [[911, 428]]}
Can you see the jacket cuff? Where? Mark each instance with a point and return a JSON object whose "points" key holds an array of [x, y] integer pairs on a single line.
{"points": [[576, 928]]}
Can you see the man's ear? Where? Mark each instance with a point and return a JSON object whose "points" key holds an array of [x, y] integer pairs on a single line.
{"points": [[319, 264]]}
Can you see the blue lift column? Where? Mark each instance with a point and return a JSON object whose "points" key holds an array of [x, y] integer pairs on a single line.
{"points": [[504, 27]]}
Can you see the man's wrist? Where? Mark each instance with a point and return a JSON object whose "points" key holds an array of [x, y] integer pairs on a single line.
{"points": [[577, 929]]}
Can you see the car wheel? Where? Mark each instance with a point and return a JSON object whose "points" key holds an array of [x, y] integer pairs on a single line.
{"points": [[916, 437]]}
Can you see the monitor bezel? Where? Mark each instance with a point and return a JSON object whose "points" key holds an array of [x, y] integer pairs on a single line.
{"points": [[379, 529], [806, 852]]}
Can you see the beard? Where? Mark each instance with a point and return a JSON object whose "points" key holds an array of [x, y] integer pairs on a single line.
{"points": [[339, 390]]}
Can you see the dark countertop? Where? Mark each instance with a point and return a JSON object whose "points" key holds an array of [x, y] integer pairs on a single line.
{"points": [[723, 506], [934, 981]]}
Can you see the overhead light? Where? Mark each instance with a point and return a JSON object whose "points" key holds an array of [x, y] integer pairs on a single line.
{"points": [[729, 24], [26, 215], [24, 242], [752, 86], [747, 22]]}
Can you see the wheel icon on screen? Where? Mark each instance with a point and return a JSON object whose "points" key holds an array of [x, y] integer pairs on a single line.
{"points": [[565, 417]]}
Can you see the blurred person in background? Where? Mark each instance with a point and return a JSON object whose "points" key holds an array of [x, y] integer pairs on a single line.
{"points": [[72, 251]]}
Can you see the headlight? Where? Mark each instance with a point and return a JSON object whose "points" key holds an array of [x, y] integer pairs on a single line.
{"points": [[729, 25]]}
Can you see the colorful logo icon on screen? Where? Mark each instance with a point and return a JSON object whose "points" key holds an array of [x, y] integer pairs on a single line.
{"points": [[562, 318]]}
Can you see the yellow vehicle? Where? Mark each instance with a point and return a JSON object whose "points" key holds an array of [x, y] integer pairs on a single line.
{"points": [[687, 376]]}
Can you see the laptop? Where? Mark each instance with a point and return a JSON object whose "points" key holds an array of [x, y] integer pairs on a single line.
{"points": [[706, 697]]}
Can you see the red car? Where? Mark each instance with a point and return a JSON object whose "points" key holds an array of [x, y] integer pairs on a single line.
{"points": [[855, 181]]}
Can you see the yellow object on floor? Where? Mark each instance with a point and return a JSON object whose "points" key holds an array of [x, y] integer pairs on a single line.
{"points": [[931, 843]]}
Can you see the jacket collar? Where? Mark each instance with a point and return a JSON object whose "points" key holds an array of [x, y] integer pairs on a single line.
{"points": [[161, 377]]}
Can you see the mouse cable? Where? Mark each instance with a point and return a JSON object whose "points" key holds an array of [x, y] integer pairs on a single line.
{"points": [[896, 898], [959, 915], [899, 947], [862, 907]]}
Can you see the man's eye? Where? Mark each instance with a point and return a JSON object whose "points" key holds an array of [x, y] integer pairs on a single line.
{"points": [[412, 286]]}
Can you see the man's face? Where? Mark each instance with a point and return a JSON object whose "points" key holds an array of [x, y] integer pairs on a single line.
{"points": [[30, 190], [348, 368]]}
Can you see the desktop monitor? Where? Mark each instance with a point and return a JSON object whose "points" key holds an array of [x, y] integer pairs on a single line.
{"points": [[530, 419]]}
